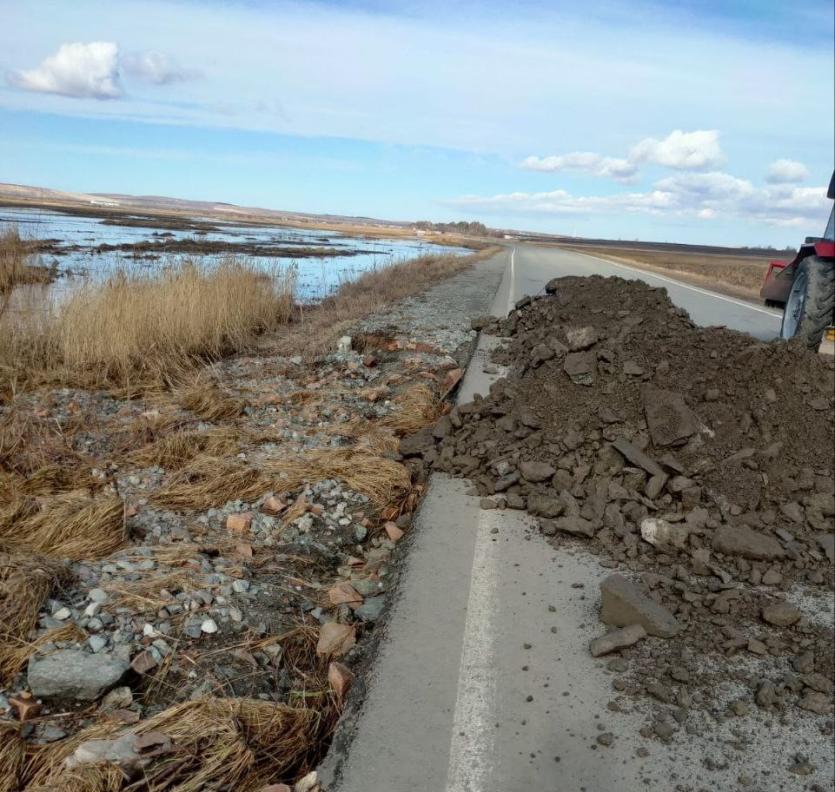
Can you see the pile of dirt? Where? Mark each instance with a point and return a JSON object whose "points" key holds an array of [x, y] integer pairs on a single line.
{"points": [[697, 460]]}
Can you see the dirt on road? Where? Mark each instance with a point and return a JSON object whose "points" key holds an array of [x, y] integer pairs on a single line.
{"points": [[698, 463]]}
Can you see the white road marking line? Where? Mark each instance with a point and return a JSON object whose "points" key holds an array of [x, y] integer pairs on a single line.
{"points": [[510, 300], [706, 292], [471, 751]]}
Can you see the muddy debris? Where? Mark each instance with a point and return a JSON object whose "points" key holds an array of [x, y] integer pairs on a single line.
{"points": [[694, 461]]}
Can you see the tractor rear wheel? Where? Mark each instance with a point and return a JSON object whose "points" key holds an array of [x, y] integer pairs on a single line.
{"points": [[811, 302]]}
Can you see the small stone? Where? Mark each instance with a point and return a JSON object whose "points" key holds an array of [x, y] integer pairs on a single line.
{"points": [[814, 701], [208, 626], [62, 614], [239, 523], [772, 577], [143, 662], [339, 678], [97, 643], [394, 533], [25, 707], [757, 647], [97, 595], [274, 505], [605, 739], [118, 698], [308, 783], [240, 586], [766, 695], [371, 609], [335, 639]]}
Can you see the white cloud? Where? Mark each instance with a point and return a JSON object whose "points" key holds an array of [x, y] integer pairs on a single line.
{"points": [[597, 164], [786, 171], [698, 150], [77, 70], [156, 67], [705, 196]]}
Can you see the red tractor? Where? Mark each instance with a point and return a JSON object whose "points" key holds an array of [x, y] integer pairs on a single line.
{"points": [[805, 286]]}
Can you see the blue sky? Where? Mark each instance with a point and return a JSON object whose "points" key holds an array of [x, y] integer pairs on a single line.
{"points": [[695, 121]]}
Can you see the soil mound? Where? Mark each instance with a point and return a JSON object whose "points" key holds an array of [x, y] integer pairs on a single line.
{"points": [[699, 458]]}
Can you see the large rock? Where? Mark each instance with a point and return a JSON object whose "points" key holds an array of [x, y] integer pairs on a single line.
{"points": [[669, 419], [416, 444], [617, 639], [580, 338], [623, 604], [781, 614], [741, 541], [545, 505], [73, 674], [536, 471], [580, 367], [574, 524], [631, 453]]}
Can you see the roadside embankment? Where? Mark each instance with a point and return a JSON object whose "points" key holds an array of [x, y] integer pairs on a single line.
{"points": [[193, 557]]}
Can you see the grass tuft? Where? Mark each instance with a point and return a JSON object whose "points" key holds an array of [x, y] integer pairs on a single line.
{"points": [[175, 451], [208, 481], [381, 480], [415, 408]]}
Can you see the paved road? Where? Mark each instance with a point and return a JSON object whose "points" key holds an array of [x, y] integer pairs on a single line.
{"points": [[533, 266], [483, 682]]}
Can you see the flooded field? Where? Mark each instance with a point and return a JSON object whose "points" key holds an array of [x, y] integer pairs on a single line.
{"points": [[83, 247]]}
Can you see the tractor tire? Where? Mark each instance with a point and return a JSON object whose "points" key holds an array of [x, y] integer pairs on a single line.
{"points": [[810, 306]]}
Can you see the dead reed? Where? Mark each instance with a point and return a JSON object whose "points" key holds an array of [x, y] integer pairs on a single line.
{"points": [[415, 408], [70, 525], [12, 756], [208, 481], [208, 400], [378, 478], [25, 583], [175, 451], [241, 744], [135, 330]]}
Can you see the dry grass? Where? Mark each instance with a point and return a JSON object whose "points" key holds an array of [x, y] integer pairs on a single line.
{"points": [[25, 583], [70, 525], [209, 481], [12, 756], [319, 328], [381, 480], [175, 451], [741, 275], [152, 592], [241, 744], [206, 399], [415, 408], [135, 331]]}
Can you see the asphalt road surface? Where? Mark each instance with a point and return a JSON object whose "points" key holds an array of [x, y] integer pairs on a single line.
{"points": [[483, 682]]}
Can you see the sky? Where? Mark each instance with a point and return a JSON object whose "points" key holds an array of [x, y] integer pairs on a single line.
{"points": [[700, 121]]}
